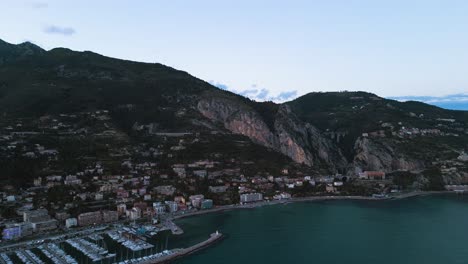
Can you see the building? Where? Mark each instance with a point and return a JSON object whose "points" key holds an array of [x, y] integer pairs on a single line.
{"points": [[90, 218], [39, 220], [463, 157], [372, 175], [142, 191], [200, 173], [121, 193], [282, 196], [180, 171], [338, 183], [179, 199], [16, 231], [251, 197], [141, 205], [121, 209], [195, 200], [46, 225], [38, 181], [61, 216], [72, 180], [207, 204], [110, 216], [172, 206], [217, 189], [36, 215], [98, 197], [70, 222], [134, 214], [159, 208], [330, 188], [11, 233]]}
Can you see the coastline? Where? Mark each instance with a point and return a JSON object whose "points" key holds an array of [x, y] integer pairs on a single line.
{"points": [[224, 208], [216, 237]]}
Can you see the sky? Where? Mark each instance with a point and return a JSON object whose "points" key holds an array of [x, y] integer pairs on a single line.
{"points": [[268, 49]]}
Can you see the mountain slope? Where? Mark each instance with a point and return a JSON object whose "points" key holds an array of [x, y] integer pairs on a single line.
{"points": [[64, 81], [335, 132]]}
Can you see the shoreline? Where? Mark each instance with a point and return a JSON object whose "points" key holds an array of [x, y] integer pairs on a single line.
{"points": [[224, 208], [204, 244]]}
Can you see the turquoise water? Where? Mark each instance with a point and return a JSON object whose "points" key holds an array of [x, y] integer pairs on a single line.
{"points": [[431, 229]]}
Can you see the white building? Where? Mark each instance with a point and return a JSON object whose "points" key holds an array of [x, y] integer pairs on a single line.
{"points": [[251, 197], [70, 222]]}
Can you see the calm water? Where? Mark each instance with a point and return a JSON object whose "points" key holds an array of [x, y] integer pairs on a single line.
{"points": [[418, 230]]}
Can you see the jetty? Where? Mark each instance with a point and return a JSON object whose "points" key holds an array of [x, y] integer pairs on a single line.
{"points": [[177, 253]]}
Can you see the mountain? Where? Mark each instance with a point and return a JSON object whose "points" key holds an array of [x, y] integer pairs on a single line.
{"points": [[343, 132]]}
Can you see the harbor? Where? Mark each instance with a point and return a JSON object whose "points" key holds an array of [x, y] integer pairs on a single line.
{"points": [[122, 244]]}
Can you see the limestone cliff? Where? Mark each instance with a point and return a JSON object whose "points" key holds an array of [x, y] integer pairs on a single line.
{"points": [[373, 154], [300, 141]]}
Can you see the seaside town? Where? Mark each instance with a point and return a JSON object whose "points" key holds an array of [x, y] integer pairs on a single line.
{"points": [[152, 132], [109, 201]]}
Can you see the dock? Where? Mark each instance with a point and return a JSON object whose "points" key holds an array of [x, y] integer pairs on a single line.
{"points": [[56, 254], [178, 253], [5, 259], [90, 250]]}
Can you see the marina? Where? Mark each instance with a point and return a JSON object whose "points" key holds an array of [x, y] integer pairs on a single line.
{"points": [[122, 244], [4, 259], [89, 249], [56, 254]]}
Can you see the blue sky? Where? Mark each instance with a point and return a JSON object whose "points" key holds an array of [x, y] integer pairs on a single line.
{"points": [[267, 49]]}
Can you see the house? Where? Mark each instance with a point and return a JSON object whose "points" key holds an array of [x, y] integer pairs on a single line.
{"points": [[372, 175], [217, 189], [251, 197], [70, 222], [196, 200], [330, 188]]}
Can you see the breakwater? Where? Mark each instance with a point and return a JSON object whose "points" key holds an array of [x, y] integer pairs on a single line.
{"points": [[177, 253]]}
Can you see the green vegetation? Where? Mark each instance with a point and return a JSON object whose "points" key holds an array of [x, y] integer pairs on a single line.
{"points": [[403, 179], [436, 182]]}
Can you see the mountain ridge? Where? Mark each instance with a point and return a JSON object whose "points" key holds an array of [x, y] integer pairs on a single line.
{"points": [[320, 129]]}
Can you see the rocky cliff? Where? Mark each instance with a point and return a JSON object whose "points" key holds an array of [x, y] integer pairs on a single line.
{"points": [[300, 141], [380, 155]]}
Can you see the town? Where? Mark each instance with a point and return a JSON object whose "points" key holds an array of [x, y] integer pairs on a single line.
{"points": [[82, 184]]}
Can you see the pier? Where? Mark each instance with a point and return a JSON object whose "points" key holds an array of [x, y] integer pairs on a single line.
{"points": [[56, 254], [178, 253], [90, 250], [26, 256], [4, 259]]}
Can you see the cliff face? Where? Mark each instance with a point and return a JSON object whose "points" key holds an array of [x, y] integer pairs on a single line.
{"points": [[238, 119], [374, 154], [300, 141]]}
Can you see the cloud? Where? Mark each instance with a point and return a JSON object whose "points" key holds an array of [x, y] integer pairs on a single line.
{"points": [[258, 94], [248, 92], [66, 31], [221, 86], [283, 96], [452, 101], [262, 95], [39, 5]]}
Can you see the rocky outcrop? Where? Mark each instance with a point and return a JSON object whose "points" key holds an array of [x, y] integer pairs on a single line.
{"points": [[300, 141], [304, 143], [238, 119], [379, 155]]}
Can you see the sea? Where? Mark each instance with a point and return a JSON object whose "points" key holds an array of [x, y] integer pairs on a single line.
{"points": [[429, 229]]}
